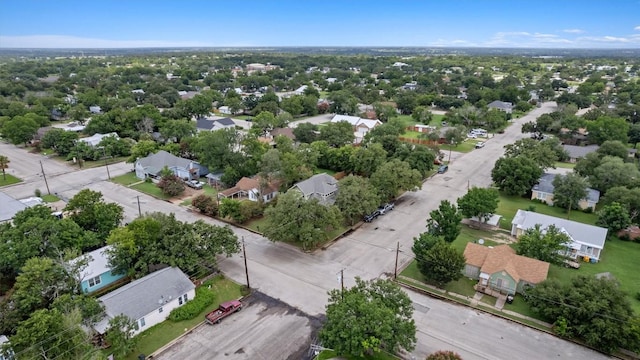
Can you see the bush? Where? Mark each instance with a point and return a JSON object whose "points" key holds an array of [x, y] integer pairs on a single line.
{"points": [[171, 185], [206, 204], [38, 193], [250, 210], [204, 297]]}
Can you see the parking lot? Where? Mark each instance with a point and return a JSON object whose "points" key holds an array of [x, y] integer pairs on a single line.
{"points": [[266, 328]]}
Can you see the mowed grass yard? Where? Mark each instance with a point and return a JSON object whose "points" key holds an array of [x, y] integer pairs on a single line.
{"points": [[509, 205], [8, 179], [163, 333], [126, 179]]}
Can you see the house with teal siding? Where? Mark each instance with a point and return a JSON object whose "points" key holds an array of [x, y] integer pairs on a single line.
{"points": [[500, 271], [97, 274]]}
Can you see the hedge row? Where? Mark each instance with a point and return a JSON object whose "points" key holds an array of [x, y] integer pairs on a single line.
{"points": [[204, 297]]}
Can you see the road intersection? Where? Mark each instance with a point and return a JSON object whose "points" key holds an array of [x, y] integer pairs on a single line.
{"points": [[303, 279]]}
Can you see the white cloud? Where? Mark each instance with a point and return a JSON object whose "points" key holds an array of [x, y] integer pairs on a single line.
{"points": [[605, 39], [62, 41], [637, 28], [526, 39], [573, 31]]}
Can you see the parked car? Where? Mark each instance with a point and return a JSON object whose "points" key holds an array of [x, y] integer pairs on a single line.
{"points": [[194, 184], [384, 208], [372, 216], [443, 169], [472, 136], [480, 145]]}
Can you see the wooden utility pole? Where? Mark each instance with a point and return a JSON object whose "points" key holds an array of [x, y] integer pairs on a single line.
{"points": [[342, 283], [395, 270], [246, 269], [45, 178], [139, 210]]}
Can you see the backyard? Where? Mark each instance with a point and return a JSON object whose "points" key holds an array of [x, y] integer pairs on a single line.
{"points": [[163, 333]]}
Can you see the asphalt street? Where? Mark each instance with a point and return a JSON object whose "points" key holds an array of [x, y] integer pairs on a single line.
{"points": [[303, 279]]}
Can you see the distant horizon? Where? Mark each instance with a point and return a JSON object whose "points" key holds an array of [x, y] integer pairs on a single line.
{"points": [[111, 24]]}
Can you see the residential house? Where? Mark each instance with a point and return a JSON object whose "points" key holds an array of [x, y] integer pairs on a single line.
{"points": [[501, 105], [7, 353], [500, 271], [204, 124], [10, 207], [149, 300], [152, 165], [543, 191], [321, 186], [578, 152], [56, 115], [95, 139], [360, 126], [250, 189], [72, 126], [586, 241], [286, 132], [95, 109], [98, 274]]}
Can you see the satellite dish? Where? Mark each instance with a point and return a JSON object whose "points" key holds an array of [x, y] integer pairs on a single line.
{"points": [[480, 241]]}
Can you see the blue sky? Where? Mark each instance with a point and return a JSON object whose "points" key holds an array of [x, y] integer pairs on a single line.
{"points": [[451, 23]]}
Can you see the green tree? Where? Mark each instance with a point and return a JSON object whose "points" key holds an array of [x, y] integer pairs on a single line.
{"points": [[49, 334], [369, 317], [479, 202], [91, 310], [608, 128], [445, 222], [171, 185], [141, 149], [231, 208], [176, 130], [306, 132], [613, 172], [629, 198], [365, 160], [119, 335], [296, 219], [4, 164], [60, 140], [422, 115], [440, 263], [613, 148], [595, 310], [263, 123], [337, 134], [19, 130], [544, 153], [88, 210], [356, 197], [614, 217], [546, 244], [516, 175], [395, 176], [569, 190]]}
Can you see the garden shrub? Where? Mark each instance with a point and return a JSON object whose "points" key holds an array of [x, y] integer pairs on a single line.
{"points": [[204, 297]]}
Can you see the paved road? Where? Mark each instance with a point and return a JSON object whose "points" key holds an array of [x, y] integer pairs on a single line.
{"points": [[318, 119], [302, 280]]}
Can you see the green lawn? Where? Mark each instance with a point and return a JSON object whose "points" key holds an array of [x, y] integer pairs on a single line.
{"points": [[256, 224], [209, 190], [163, 333], [7, 179], [463, 147], [509, 205], [620, 258], [126, 179], [92, 164], [50, 198], [150, 189], [408, 120], [565, 165]]}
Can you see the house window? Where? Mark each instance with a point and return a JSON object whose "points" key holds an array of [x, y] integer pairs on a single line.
{"points": [[160, 310], [185, 298], [142, 322], [94, 281], [180, 300]]}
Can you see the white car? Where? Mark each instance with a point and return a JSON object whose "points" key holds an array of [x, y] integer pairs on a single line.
{"points": [[472, 136], [195, 184], [480, 145]]}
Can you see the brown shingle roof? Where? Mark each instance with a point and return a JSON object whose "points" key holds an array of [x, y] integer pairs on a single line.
{"points": [[504, 258], [246, 184]]}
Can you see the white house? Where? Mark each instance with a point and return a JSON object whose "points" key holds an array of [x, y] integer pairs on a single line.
{"points": [[360, 126], [95, 139], [149, 300], [587, 241]]}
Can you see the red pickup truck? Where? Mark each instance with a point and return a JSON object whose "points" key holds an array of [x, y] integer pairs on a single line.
{"points": [[223, 311]]}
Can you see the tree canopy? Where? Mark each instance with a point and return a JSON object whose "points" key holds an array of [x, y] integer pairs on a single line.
{"points": [[569, 190], [479, 202], [545, 244], [516, 175], [445, 221], [371, 316], [356, 197]]}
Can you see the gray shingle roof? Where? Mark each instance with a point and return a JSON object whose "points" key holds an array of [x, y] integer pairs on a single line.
{"points": [[147, 294], [578, 152], [225, 121], [318, 185], [154, 163], [10, 207], [204, 124], [497, 104], [545, 184], [588, 234]]}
